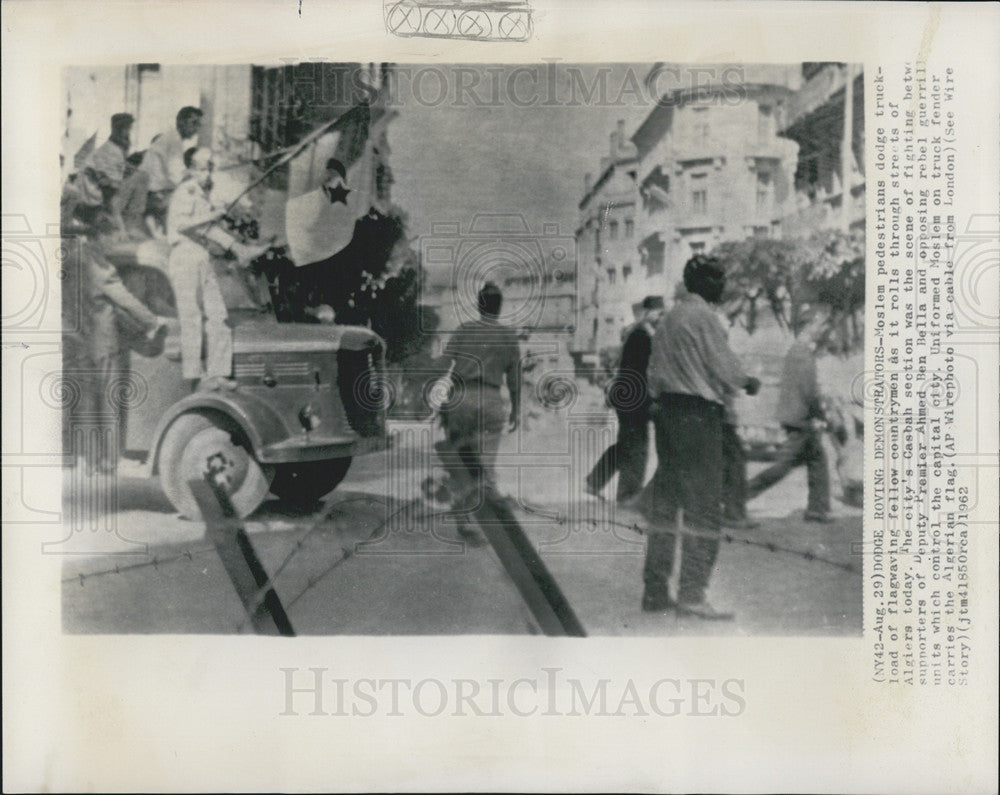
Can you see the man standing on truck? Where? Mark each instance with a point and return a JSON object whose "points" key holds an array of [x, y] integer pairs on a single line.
{"points": [[190, 221], [163, 162], [103, 173]]}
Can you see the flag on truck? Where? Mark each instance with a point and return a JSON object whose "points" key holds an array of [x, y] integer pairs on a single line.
{"points": [[331, 185]]}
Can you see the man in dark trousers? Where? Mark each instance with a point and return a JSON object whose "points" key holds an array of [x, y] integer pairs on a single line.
{"points": [[692, 372], [629, 396]]}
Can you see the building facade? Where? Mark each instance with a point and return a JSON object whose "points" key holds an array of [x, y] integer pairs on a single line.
{"points": [[742, 151], [822, 116], [610, 277], [712, 165]]}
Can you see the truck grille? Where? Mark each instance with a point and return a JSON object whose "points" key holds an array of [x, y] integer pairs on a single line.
{"points": [[281, 370], [361, 383]]}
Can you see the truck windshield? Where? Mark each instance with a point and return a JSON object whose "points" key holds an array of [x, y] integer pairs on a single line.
{"points": [[145, 269]]}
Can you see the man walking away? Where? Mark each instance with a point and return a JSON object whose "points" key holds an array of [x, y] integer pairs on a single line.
{"points": [[802, 415], [486, 356], [628, 394], [692, 371]]}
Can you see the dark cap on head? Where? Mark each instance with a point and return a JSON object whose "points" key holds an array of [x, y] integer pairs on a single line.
{"points": [[490, 300], [652, 302], [705, 276], [121, 121]]}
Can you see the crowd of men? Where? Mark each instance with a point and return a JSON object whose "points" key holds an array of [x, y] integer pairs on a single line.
{"points": [[115, 197], [687, 383], [678, 371]]}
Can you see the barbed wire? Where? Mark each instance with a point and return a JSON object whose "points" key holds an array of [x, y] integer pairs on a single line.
{"points": [[188, 554], [347, 552], [317, 522], [156, 562], [727, 537]]}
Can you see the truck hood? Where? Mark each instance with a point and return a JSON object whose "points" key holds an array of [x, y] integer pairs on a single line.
{"points": [[255, 336]]}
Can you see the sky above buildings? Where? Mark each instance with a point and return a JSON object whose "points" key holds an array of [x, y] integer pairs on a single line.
{"points": [[507, 139]]}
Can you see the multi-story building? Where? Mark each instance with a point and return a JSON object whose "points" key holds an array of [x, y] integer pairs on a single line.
{"points": [[610, 279], [737, 151], [706, 165], [712, 166]]}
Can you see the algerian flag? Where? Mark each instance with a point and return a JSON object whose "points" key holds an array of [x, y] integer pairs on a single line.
{"points": [[323, 203]]}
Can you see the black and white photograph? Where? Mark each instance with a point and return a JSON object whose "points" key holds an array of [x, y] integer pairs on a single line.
{"points": [[564, 349], [500, 396]]}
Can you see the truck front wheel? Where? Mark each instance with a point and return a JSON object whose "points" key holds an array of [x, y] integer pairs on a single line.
{"points": [[305, 483], [197, 441]]}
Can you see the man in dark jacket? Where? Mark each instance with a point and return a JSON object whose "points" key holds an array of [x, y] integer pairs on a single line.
{"points": [[629, 397]]}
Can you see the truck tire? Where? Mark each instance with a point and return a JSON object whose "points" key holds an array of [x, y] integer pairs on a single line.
{"points": [[188, 445], [305, 483]]}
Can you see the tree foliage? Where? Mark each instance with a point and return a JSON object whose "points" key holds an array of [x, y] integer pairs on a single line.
{"points": [[792, 278]]}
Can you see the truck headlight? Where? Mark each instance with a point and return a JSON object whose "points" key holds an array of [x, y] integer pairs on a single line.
{"points": [[308, 418]]}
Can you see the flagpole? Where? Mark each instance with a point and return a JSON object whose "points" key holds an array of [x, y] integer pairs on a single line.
{"points": [[291, 154]]}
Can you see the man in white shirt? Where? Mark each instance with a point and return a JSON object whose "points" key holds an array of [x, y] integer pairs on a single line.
{"points": [[191, 218], [692, 374], [163, 162]]}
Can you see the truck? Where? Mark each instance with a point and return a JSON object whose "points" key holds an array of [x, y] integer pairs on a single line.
{"points": [[307, 398]]}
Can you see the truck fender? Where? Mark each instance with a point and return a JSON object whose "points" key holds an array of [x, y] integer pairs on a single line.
{"points": [[259, 422]]}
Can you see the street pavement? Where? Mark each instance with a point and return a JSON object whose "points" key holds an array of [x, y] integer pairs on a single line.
{"points": [[374, 559]]}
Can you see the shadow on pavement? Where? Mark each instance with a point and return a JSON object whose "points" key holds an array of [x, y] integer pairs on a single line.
{"points": [[103, 494]]}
